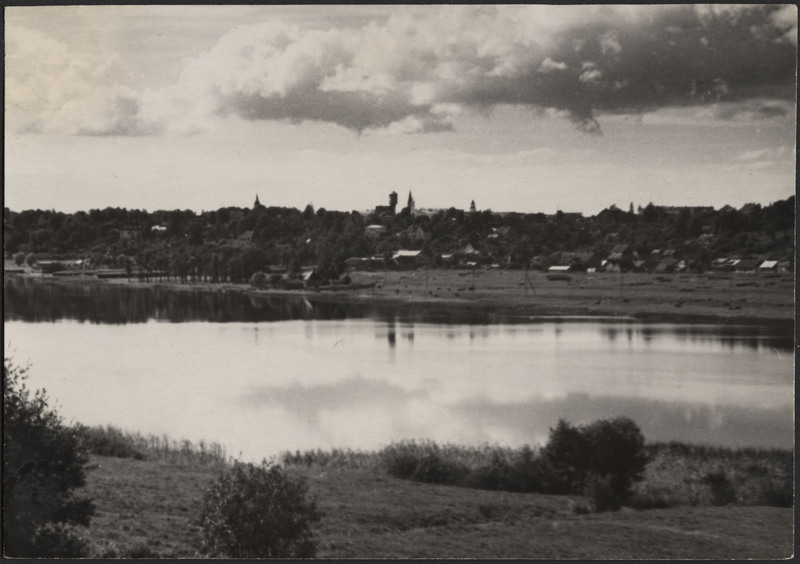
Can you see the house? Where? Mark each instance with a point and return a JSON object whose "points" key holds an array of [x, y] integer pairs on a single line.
{"points": [[580, 260], [407, 259], [666, 266], [769, 266], [374, 231], [131, 231], [746, 265], [621, 257], [245, 240]]}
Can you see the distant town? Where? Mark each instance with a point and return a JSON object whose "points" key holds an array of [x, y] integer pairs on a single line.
{"points": [[288, 247]]}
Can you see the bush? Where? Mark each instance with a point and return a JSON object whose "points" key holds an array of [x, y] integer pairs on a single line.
{"points": [[258, 512], [610, 451], [43, 462], [59, 540]]}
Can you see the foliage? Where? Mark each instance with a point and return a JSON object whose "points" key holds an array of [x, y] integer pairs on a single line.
{"points": [[112, 441], [43, 463], [601, 460], [258, 512], [681, 474], [108, 441], [186, 245], [609, 451]]}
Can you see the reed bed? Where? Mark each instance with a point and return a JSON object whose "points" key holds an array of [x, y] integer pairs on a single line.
{"points": [[676, 474], [112, 441], [682, 474]]}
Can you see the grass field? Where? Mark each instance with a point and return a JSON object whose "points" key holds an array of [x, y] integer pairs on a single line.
{"points": [[146, 508], [501, 294], [643, 295]]}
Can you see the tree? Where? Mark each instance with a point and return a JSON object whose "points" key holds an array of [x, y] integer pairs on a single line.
{"points": [[19, 258], [258, 512], [43, 463], [603, 459]]}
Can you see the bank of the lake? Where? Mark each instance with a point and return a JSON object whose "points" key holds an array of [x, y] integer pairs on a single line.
{"points": [[146, 508], [730, 298]]}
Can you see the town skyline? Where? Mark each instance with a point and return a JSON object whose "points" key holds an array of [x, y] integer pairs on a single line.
{"points": [[520, 108]]}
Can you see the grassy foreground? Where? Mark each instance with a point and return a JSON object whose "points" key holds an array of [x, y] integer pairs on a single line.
{"points": [[146, 508]]}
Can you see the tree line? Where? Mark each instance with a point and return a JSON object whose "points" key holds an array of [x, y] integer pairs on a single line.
{"points": [[231, 244]]}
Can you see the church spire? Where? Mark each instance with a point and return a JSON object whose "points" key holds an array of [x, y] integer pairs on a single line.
{"points": [[257, 204]]}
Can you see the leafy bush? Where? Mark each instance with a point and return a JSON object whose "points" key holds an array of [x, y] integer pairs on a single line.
{"points": [[258, 512], [43, 463], [424, 462], [611, 451], [59, 540]]}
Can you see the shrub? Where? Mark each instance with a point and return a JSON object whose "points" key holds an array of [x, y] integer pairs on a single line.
{"points": [[43, 463], [258, 512], [59, 540], [424, 462], [610, 450]]}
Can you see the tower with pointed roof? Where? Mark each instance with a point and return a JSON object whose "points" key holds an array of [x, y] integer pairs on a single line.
{"points": [[257, 204]]}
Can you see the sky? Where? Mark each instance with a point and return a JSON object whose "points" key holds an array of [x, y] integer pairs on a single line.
{"points": [[529, 108]]}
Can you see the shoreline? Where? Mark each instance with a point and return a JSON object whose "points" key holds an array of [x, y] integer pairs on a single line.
{"points": [[497, 296], [591, 297]]}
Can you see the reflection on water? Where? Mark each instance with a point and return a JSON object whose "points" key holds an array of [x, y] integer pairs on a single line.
{"points": [[326, 375]]}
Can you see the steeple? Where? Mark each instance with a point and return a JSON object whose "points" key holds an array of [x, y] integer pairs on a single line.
{"points": [[257, 204]]}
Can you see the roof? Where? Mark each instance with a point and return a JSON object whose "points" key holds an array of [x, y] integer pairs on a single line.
{"points": [[411, 254], [769, 264], [559, 268]]}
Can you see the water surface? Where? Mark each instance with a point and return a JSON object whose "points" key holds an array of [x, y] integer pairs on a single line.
{"points": [[293, 374]]}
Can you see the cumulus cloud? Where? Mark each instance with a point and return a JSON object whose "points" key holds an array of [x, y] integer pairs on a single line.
{"points": [[414, 71]]}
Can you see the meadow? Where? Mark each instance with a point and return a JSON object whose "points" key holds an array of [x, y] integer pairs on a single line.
{"points": [[694, 502]]}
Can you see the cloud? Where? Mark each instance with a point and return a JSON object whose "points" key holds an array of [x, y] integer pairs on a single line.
{"points": [[308, 401], [397, 73]]}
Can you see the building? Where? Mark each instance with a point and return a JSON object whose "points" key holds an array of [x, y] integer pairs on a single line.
{"points": [[391, 209], [374, 231], [407, 259]]}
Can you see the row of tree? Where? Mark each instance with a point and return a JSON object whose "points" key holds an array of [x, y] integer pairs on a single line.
{"points": [[233, 243]]}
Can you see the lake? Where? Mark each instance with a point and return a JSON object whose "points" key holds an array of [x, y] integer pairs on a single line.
{"points": [[262, 376]]}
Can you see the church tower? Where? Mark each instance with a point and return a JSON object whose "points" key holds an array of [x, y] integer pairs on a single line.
{"points": [[257, 204], [410, 202]]}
